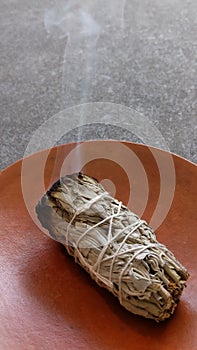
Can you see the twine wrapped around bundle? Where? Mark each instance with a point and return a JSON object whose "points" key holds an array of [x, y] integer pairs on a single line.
{"points": [[117, 248]]}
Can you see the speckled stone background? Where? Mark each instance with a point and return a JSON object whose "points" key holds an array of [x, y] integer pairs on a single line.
{"points": [[56, 54]]}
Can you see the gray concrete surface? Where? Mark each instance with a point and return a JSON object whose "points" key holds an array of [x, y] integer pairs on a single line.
{"points": [[139, 54]]}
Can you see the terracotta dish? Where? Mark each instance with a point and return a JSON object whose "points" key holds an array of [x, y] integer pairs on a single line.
{"points": [[49, 302]]}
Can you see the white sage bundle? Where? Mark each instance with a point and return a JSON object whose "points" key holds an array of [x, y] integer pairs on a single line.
{"points": [[118, 249]]}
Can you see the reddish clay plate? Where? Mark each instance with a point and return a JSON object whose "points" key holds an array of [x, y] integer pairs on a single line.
{"points": [[46, 300]]}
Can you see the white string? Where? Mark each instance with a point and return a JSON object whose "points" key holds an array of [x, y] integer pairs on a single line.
{"points": [[98, 224], [135, 227], [95, 269], [127, 264], [80, 210]]}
